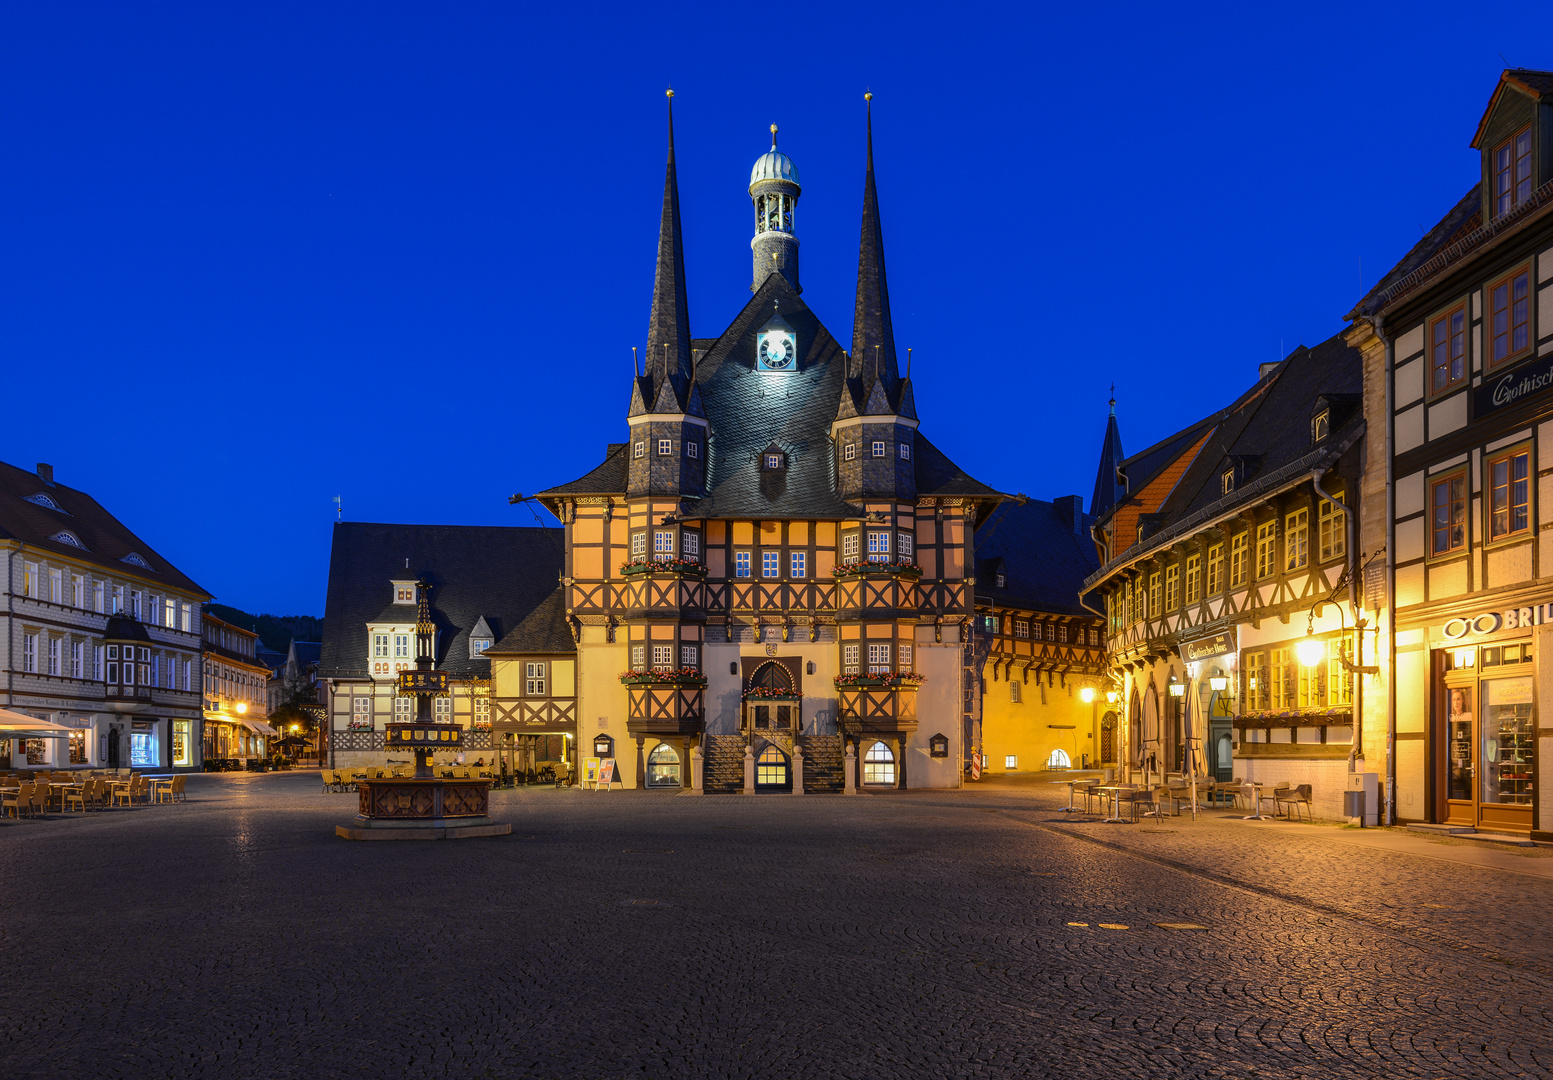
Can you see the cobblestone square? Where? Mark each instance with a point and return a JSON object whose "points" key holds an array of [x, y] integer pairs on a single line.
{"points": [[960, 934]]}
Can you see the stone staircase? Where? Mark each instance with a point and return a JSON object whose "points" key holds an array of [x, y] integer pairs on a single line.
{"points": [[822, 764], [723, 764]]}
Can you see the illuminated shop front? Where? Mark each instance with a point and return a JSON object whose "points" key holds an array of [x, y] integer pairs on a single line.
{"points": [[1482, 738]]}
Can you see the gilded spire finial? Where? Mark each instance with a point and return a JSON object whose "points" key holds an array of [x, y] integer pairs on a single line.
{"points": [[669, 92], [868, 95], [773, 136]]}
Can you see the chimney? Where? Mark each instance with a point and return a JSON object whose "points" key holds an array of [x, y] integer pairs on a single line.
{"points": [[1262, 370], [46, 473]]}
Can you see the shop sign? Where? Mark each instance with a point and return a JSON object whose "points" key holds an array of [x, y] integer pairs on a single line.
{"points": [[1512, 387], [141, 725], [1207, 648], [1518, 618]]}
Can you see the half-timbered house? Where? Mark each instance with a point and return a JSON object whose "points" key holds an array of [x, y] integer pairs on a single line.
{"points": [[1227, 550], [772, 575], [1458, 352]]}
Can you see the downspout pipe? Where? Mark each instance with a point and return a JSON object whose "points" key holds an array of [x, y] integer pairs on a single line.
{"points": [[1377, 323], [1351, 527]]}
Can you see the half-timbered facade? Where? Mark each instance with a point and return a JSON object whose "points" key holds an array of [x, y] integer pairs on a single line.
{"points": [[1229, 551], [483, 581], [1458, 347], [770, 580], [1043, 679]]}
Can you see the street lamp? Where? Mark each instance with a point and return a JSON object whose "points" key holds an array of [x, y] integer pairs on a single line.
{"points": [[1110, 697], [242, 707], [1218, 680], [1087, 695], [1310, 651], [1177, 689]]}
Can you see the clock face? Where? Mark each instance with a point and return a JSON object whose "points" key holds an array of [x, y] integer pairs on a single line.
{"points": [[778, 352]]}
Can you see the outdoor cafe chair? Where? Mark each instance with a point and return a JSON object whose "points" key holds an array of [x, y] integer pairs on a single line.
{"points": [[41, 793], [77, 797], [1277, 796], [18, 802], [123, 792], [1293, 799]]}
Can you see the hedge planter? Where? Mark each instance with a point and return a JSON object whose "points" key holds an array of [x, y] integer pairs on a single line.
{"points": [[892, 682], [676, 567]]}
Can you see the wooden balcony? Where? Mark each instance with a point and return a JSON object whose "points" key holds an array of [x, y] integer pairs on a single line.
{"points": [[877, 706]]}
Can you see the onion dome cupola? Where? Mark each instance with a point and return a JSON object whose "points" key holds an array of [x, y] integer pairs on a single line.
{"points": [[774, 190]]}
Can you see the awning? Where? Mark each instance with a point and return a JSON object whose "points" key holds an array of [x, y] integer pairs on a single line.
{"points": [[15, 725], [259, 726]]}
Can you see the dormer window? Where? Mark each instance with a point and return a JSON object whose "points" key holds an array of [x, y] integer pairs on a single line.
{"points": [[403, 594], [68, 537], [1321, 425], [1000, 579], [134, 559], [1512, 173], [42, 499], [1227, 481], [773, 461]]}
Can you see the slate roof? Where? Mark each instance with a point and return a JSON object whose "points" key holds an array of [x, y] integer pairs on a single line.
{"points": [[1109, 489], [107, 539], [1045, 555], [543, 631], [1270, 426], [499, 572], [1464, 217], [750, 410]]}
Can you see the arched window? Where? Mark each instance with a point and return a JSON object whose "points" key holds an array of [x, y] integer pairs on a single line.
{"points": [[879, 765], [663, 766], [773, 677], [771, 768], [1059, 760]]}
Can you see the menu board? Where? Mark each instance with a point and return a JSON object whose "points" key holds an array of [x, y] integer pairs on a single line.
{"points": [[606, 773]]}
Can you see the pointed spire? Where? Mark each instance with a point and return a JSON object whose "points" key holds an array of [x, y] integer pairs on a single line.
{"points": [[1110, 487], [668, 330], [873, 338]]}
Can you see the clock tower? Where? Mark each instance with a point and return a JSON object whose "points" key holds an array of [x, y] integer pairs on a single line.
{"points": [[774, 190]]}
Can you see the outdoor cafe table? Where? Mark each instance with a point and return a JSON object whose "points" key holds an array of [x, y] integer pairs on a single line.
{"points": [[1116, 791], [1255, 795], [1070, 808]]}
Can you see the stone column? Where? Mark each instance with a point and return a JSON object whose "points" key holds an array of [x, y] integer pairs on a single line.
{"points": [[685, 780], [900, 763], [641, 762], [749, 769], [797, 770], [696, 779], [849, 770]]}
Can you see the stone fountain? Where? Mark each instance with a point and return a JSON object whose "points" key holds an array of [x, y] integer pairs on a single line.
{"points": [[423, 806]]}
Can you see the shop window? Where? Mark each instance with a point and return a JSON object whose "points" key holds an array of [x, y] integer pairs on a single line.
{"points": [[879, 765], [1266, 549], [1059, 760], [663, 766], [1509, 305], [142, 748], [1332, 525], [183, 743], [78, 747], [1296, 539], [938, 746], [1448, 350], [1508, 741], [1512, 173], [1509, 494]]}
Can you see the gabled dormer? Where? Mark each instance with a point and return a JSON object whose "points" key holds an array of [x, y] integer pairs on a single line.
{"points": [[1515, 139], [1330, 412], [403, 592], [480, 639]]}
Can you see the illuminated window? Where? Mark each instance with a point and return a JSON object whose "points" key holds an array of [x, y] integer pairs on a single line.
{"points": [[1448, 350], [1296, 540], [1154, 609], [1238, 561], [878, 765], [1266, 549], [1448, 513], [771, 767], [1510, 305], [1193, 578], [1332, 528], [1172, 587], [1021, 628], [1014, 692]]}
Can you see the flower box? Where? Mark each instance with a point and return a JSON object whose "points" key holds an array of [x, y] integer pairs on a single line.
{"points": [[901, 679], [681, 567], [877, 569], [761, 693], [687, 677]]}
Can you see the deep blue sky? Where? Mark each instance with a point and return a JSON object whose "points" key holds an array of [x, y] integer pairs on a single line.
{"points": [[255, 256]]}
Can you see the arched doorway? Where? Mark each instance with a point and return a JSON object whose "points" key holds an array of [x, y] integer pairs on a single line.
{"points": [[879, 765], [663, 766], [1059, 760], [771, 770], [772, 677]]}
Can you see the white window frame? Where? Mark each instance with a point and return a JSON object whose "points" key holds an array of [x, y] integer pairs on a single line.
{"points": [[798, 564], [690, 543], [849, 655], [741, 564], [879, 658], [878, 448], [904, 652], [53, 654], [878, 545], [30, 587], [442, 709], [401, 646], [770, 564], [187, 611], [905, 545], [848, 451], [77, 659], [380, 646], [849, 548], [1015, 696], [773, 461], [663, 545], [535, 678], [662, 657], [689, 656], [665, 447], [404, 708], [905, 450], [30, 653], [640, 449], [638, 657], [692, 449], [638, 544]]}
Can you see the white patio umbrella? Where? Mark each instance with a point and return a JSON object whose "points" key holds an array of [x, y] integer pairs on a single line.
{"points": [[15, 725]]}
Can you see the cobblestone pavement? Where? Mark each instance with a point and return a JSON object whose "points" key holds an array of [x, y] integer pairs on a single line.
{"points": [[963, 934]]}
